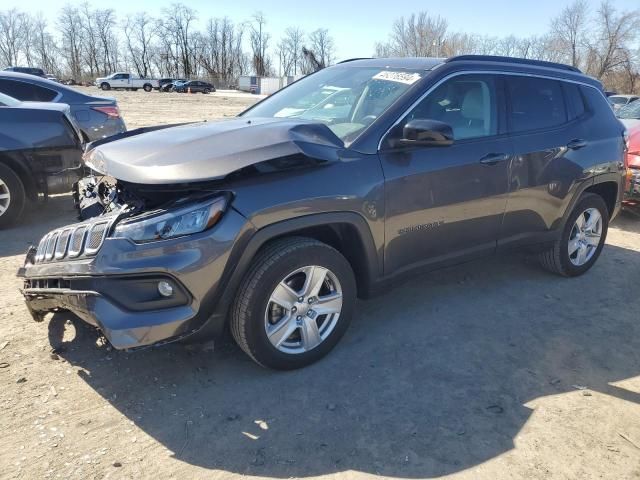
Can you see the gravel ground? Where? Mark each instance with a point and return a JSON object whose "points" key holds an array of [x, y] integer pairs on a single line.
{"points": [[493, 369]]}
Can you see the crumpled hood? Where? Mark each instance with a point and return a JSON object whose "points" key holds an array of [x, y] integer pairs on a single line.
{"points": [[210, 151]]}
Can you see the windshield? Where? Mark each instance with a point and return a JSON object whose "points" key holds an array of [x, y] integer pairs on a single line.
{"points": [[7, 101], [630, 111], [618, 100], [347, 99]]}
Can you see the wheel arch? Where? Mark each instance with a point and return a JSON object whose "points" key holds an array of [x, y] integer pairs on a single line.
{"points": [[607, 186], [17, 163], [347, 232]]}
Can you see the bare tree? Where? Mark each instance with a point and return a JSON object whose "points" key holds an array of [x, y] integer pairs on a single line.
{"points": [[259, 40], [615, 32], [419, 35], [45, 47], [323, 46], [570, 28], [105, 23], [139, 31], [11, 35], [71, 30], [290, 51], [177, 26], [221, 55]]}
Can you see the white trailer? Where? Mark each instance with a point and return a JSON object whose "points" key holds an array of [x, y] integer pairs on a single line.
{"points": [[259, 85]]}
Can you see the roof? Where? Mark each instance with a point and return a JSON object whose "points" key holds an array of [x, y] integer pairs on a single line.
{"points": [[428, 63], [412, 63]]}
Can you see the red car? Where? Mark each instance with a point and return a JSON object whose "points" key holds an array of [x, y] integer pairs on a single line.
{"points": [[629, 115]]}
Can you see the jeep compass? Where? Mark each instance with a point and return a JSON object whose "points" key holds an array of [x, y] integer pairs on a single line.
{"points": [[272, 223]]}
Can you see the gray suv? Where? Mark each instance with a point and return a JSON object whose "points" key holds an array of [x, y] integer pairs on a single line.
{"points": [[333, 188]]}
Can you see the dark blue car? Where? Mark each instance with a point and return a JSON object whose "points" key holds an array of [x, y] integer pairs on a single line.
{"points": [[98, 117]]}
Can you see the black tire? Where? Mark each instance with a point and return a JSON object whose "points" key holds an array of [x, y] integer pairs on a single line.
{"points": [[10, 183], [556, 259], [271, 266], [147, 87], [206, 91], [105, 86]]}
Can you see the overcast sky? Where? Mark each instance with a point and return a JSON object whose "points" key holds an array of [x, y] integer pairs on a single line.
{"points": [[356, 25]]}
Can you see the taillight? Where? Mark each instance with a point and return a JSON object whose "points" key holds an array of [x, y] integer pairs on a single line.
{"points": [[112, 112]]}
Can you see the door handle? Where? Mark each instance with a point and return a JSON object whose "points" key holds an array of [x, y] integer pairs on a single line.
{"points": [[494, 158], [576, 144]]}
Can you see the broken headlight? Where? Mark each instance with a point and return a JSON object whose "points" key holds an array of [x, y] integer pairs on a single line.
{"points": [[178, 222]]}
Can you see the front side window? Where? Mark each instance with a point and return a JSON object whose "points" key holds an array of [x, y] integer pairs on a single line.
{"points": [[345, 98], [26, 92], [535, 103], [467, 103]]}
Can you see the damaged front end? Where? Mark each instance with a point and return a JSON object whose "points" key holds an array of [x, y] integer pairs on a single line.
{"points": [[147, 260]]}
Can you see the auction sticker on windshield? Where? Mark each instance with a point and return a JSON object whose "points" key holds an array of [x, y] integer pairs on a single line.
{"points": [[408, 78]]}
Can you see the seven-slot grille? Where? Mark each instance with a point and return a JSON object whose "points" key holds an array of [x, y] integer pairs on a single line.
{"points": [[72, 242]]}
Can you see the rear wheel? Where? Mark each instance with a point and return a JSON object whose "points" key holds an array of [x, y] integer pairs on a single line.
{"points": [[105, 86], [582, 240], [147, 87], [295, 303], [12, 196]]}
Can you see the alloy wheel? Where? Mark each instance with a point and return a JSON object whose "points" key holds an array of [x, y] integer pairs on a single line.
{"points": [[585, 237], [303, 309], [5, 197]]}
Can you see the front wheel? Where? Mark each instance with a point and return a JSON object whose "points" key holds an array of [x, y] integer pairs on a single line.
{"points": [[294, 304], [206, 91], [147, 88], [582, 240]]}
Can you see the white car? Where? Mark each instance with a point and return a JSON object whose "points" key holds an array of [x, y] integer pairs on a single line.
{"points": [[126, 81]]}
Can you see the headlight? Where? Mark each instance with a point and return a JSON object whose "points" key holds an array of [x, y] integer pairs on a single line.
{"points": [[173, 223]]}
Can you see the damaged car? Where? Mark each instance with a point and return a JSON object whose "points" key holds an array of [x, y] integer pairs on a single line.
{"points": [[336, 187], [40, 154]]}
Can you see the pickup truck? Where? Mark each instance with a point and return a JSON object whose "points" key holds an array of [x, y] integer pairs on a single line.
{"points": [[126, 81]]}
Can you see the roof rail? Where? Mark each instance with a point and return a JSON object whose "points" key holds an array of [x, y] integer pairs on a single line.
{"points": [[526, 61], [353, 59]]}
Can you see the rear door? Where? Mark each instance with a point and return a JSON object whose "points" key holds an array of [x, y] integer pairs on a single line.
{"points": [[448, 202], [544, 121]]}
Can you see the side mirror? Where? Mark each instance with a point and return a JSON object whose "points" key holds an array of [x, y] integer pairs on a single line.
{"points": [[426, 133]]}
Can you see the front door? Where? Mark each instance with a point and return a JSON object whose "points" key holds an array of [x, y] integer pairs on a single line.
{"points": [[443, 203]]}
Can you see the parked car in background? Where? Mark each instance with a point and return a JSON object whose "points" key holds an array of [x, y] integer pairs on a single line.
{"points": [[169, 86], [629, 115], [38, 72], [126, 81], [98, 117], [619, 101], [272, 225], [194, 86], [53, 78], [40, 153]]}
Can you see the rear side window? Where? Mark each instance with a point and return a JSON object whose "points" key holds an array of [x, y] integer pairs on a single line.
{"points": [[26, 92], [575, 102], [535, 103]]}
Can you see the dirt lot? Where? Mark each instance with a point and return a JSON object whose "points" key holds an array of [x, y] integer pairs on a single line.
{"points": [[488, 370]]}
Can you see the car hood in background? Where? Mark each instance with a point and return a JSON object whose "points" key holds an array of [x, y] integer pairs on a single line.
{"points": [[211, 151]]}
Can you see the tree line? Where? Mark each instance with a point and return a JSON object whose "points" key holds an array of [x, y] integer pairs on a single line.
{"points": [[85, 42], [601, 41]]}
